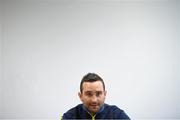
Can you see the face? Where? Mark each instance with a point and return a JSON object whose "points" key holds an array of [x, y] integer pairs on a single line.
{"points": [[93, 95]]}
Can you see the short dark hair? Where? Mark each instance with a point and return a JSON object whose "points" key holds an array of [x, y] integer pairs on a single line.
{"points": [[91, 77]]}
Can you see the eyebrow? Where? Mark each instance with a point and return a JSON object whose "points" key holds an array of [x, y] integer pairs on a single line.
{"points": [[92, 91]]}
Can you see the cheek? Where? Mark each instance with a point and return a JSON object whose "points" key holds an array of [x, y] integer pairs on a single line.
{"points": [[102, 98], [84, 99]]}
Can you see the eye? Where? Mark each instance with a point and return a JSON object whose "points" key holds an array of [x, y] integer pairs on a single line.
{"points": [[89, 94], [99, 93]]}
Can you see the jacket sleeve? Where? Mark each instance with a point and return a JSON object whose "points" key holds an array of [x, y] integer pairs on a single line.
{"points": [[64, 116], [67, 116]]}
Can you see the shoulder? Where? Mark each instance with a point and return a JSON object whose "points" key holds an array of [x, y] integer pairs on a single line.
{"points": [[73, 112], [112, 107], [116, 112]]}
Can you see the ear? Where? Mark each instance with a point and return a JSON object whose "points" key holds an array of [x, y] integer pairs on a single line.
{"points": [[80, 95], [105, 92]]}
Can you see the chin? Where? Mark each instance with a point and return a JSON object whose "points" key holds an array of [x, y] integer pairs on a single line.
{"points": [[95, 111]]}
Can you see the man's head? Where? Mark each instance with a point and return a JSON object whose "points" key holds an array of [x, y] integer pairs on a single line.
{"points": [[92, 92]]}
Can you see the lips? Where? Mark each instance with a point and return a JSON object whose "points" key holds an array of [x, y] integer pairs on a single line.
{"points": [[94, 107], [93, 104]]}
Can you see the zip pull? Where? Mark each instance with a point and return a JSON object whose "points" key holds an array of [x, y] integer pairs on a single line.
{"points": [[93, 117]]}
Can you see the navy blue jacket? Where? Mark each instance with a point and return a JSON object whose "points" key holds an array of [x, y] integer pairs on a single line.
{"points": [[105, 112]]}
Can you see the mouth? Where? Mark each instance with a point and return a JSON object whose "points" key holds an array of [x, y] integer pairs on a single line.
{"points": [[95, 106]]}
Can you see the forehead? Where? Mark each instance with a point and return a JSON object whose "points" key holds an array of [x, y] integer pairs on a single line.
{"points": [[93, 86]]}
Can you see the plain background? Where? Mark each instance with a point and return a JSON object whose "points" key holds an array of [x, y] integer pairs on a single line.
{"points": [[47, 46]]}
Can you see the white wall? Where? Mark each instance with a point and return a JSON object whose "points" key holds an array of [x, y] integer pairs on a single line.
{"points": [[48, 45], [0, 57], [178, 53]]}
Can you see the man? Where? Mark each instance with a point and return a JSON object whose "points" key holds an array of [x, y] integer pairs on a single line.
{"points": [[92, 94]]}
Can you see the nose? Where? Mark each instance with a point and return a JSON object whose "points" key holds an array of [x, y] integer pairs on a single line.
{"points": [[94, 98]]}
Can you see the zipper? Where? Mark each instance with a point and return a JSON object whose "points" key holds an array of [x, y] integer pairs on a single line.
{"points": [[93, 117]]}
